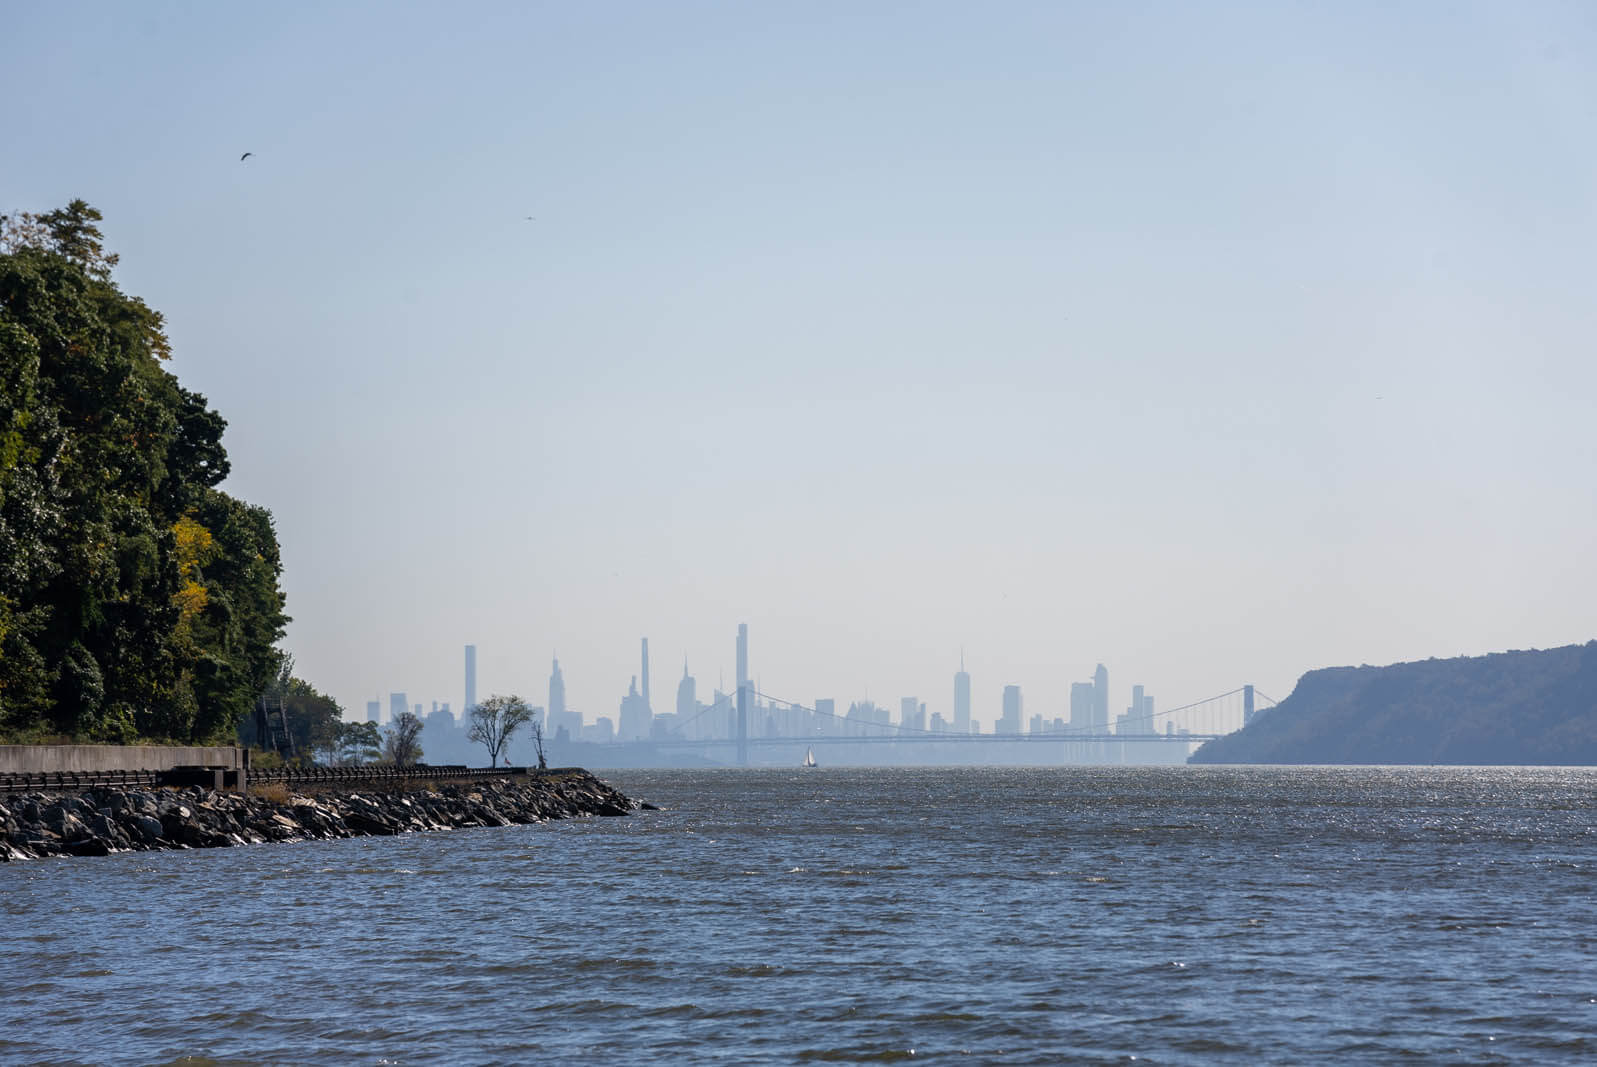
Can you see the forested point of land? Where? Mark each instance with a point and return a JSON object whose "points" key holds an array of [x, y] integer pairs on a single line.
{"points": [[1514, 708], [137, 600]]}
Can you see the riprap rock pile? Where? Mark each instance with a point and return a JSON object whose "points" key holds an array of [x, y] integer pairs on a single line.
{"points": [[103, 820]]}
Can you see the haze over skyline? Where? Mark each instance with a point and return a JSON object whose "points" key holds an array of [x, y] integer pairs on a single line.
{"points": [[1215, 344]]}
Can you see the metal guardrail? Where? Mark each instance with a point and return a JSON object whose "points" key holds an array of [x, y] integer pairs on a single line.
{"points": [[78, 781], [336, 775]]}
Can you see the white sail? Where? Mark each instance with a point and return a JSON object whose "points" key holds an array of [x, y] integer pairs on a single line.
{"points": [[809, 757]]}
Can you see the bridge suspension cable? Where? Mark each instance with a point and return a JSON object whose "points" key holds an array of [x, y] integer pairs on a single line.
{"points": [[921, 731]]}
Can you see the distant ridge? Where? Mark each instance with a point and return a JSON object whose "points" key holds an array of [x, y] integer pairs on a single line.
{"points": [[1537, 707]]}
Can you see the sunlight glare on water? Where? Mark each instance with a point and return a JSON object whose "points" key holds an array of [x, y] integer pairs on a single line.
{"points": [[854, 915]]}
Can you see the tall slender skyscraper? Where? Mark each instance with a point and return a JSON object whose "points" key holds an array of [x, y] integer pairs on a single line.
{"points": [[743, 700], [743, 655], [471, 678], [1100, 699], [687, 702], [647, 703], [557, 694], [962, 698]]}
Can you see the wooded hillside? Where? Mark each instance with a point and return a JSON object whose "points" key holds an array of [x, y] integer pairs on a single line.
{"points": [[1537, 707]]}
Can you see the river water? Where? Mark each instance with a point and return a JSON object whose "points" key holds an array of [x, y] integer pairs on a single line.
{"points": [[988, 915]]}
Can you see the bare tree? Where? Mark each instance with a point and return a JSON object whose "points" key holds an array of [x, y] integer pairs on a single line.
{"points": [[494, 721], [402, 742], [537, 743]]}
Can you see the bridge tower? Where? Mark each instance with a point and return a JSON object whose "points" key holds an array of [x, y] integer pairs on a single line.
{"points": [[743, 725], [1247, 704]]}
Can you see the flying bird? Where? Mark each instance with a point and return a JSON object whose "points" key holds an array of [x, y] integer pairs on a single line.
{"points": [[245, 156]]}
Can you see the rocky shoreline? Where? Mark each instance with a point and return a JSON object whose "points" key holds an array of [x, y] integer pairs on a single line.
{"points": [[103, 820]]}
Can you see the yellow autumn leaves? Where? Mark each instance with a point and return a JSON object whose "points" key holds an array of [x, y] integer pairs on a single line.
{"points": [[195, 548]]}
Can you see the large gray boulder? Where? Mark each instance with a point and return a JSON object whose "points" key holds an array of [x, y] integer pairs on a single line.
{"points": [[147, 827], [63, 823]]}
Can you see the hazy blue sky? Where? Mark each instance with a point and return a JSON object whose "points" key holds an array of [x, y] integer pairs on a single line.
{"points": [[1216, 342]]}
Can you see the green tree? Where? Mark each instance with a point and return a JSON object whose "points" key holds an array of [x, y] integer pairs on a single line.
{"points": [[313, 719], [136, 598], [359, 742], [75, 236], [495, 721], [346, 744]]}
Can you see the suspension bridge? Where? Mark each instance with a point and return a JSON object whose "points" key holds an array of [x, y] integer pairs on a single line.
{"points": [[793, 724]]}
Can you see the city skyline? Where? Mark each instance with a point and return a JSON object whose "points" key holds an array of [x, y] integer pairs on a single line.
{"points": [[630, 720]]}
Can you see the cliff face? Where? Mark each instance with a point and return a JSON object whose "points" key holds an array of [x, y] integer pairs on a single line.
{"points": [[1535, 707]]}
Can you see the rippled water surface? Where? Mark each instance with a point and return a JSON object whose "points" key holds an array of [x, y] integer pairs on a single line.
{"points": [[996, 915]]}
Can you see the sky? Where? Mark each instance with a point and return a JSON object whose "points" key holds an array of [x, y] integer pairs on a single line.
{"points": [[1216, 343]]}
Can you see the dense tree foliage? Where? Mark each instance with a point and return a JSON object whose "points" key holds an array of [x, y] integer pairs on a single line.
{"points": [[137, 600], [1537, 707]]}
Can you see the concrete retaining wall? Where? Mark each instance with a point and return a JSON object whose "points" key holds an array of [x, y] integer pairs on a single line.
{"points": [[92, 759]]}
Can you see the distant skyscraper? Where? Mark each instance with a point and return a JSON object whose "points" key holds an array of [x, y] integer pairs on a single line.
{"points": [[1009, 723], [1081, 707], [1100, 699], [557, 694], [634, 719], [962, 698], [398, 704], [560, 724], [1139, 716], [911, 714], [687, 695], [743, 654], [744, 698], [471, 678], [374, 711], [647, 703]]}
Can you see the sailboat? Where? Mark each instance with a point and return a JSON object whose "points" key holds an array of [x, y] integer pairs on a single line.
{"points": [[809, 758]]}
